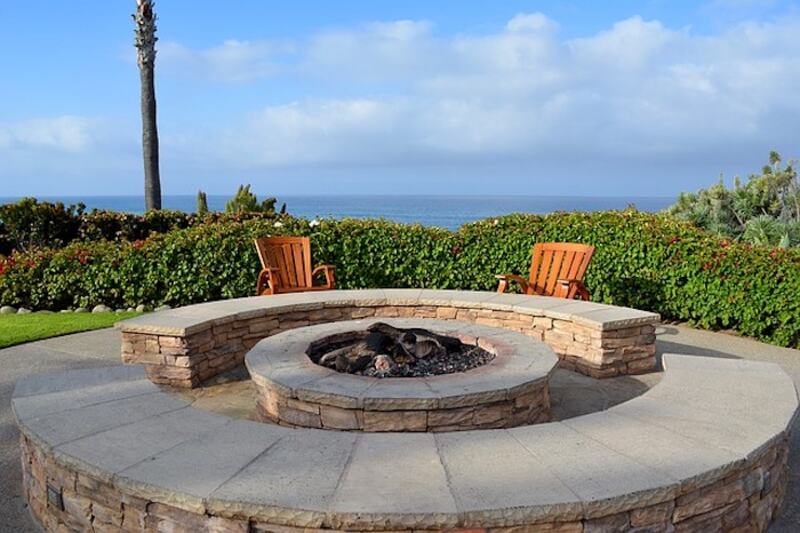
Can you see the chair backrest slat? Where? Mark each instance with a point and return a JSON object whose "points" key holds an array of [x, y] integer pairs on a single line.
{"points": [[540, 266], [552, 261], [299, 265]]}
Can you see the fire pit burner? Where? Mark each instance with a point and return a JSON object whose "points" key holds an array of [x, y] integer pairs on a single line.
{"points": [[383, 350]]}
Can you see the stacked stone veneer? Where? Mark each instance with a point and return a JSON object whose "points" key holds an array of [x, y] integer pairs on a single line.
{"points": [[511, 390], [594, 339], [744, 501]]}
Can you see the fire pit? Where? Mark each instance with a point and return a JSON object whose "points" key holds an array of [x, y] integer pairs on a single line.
{"points": [[383, 350], [402, 375]]}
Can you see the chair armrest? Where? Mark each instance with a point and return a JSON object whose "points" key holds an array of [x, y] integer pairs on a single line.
{"points": [[265, 283], [329, 271], [570, 288], [506, 278]]}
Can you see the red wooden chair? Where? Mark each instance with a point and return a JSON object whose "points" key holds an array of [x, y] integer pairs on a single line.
{"points": [[557, 269], [286, 266]]}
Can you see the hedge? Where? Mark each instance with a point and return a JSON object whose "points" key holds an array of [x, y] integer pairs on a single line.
{"points": [[645, 261], [30, 223]]}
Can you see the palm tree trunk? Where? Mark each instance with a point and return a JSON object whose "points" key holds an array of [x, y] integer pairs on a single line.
{"points": [[145, 40]]}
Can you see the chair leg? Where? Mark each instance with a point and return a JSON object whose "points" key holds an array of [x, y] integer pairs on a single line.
{"points": [[583, 293], [502, 286]]}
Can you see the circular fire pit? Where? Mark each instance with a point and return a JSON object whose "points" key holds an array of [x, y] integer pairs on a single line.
{"points": [[509, 388], [382, 350]]}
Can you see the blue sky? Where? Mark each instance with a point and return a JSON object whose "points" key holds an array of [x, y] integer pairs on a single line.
{"points": [[507, 97]]}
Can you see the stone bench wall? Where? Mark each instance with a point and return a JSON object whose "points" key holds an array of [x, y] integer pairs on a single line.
{"points": [[186, 359], [64, 499]]}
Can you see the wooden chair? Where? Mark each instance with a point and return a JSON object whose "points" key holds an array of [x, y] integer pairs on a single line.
{"points": [[286, 266], [557, 269]]}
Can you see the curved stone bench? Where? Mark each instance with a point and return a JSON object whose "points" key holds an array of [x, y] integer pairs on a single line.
{"points": [[704, 450], [183, 347], [511, 390]]}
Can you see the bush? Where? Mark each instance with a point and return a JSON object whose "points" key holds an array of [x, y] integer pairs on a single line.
{"points": [[246, 202], [645, 261], [764, 211], [30, 224]]}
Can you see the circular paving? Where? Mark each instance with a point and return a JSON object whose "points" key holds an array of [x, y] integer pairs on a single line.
{"points": [[511, 390]]}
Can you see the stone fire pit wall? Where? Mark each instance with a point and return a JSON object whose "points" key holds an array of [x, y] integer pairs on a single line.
{"points": [[509, 391], [183, 347]]}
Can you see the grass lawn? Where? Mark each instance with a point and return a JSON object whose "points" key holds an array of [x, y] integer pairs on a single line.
{"points": [[16, 329]]}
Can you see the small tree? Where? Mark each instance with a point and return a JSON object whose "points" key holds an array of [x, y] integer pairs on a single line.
{"points": [[246, 202], [145, 41], [202, 203]]}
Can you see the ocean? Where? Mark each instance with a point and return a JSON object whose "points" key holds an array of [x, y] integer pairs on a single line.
{"points": [[443, 211]]}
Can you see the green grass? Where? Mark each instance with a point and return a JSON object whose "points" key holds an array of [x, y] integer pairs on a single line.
{"points": [[17, 329]]}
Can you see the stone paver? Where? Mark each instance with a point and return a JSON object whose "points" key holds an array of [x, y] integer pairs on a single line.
{"points": [[605, 480], [530, 490], [409, 488], [199, 466], [663, 449], [307, 486], [65, 426], [116, 449]]}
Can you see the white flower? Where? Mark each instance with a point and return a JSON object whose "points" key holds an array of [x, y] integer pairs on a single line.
{"points": [[314, 223], [496, 222], [278, 224]]}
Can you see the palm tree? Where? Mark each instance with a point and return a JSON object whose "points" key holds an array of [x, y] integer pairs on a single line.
{"points": [[145, 42]]}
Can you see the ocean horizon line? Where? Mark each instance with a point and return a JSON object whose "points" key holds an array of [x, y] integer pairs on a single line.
{"points": [[448, 211]]}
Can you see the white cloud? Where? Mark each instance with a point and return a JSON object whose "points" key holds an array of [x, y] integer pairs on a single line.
{"points": [[637, 90], [233, 61], [531, 22], [65, 133]]}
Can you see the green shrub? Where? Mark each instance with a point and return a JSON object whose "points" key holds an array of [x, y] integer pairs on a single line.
{"points": [[116, 226], [645, 261], [29, 223], [245, 201]]}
